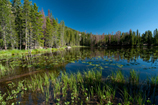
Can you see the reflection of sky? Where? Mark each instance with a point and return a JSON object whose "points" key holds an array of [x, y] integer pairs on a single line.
{"points": [[144, 68]]}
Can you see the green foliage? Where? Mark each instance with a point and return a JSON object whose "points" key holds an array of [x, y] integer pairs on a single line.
{"points": [[77, 88], [22, 26], [37, 27], [27, 22], [48, 35]]}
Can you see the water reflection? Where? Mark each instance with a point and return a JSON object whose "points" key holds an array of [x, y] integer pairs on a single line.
{"points": [[17, 68], [142, 59]]}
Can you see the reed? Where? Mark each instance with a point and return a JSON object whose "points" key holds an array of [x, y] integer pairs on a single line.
{"points": [[134, 77], [86, 88]]}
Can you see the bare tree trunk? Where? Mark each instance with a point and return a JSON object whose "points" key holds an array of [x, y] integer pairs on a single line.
{"points": [[30, 43], [34, 44], [63, 37], [26, 36], [4, 38], [11, 37], [5, 44], [12, 43], [20, 39]]}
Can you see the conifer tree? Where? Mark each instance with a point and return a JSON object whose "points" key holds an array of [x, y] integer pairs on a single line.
{"points": [[156, 38], [149, 37], [77, 38], [137, 38], [131, 37], [17, 11], [61, 33], [4, 21], [72, 38], [44, 21], [11, 29], [67, 36], [48, 35], [26, 19], [55, 33], [36, 19]]}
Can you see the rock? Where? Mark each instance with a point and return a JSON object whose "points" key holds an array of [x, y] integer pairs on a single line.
{"points": [[40, 47], [68, 47]]}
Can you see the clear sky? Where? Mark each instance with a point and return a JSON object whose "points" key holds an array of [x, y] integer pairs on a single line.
{"points": [[104, 16]]}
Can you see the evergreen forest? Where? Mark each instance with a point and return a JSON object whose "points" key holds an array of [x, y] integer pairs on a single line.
{"points": [[24, 26]]}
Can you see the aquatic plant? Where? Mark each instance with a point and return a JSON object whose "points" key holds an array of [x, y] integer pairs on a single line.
{"points": [[84, 88], [118, 77], [134, 77]]}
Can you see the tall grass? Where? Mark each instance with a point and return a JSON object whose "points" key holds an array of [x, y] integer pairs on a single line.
{"points": [[89, 87], [134, 78], [118, 77], [30, 51], [6, 70]]}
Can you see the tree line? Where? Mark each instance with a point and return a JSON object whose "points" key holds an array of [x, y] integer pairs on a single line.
{"points": [[23, 26], [130, 38]]}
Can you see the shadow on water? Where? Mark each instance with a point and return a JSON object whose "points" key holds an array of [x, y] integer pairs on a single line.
{"points": [[83, 88], [18, 68]]}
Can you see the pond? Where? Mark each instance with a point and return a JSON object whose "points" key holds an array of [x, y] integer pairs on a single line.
{"points": [[108, 60]]}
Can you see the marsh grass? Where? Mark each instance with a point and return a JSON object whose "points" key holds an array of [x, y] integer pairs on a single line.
{"points": [[6, 70], [118, 77], [30, 51], [87, 88], [134, 78]]}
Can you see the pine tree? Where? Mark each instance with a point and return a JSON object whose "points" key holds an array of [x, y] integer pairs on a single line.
{"points": [[5, 11], [55, 33], [11, 29], [77, 37], [26, 19], [156, 37], [137, 38], [67, 36], [61, 33], [44, 21], [17, 11], [48, 35], [122, 38], [149, 37], [72, 37], [36, 20], [131, 38]]}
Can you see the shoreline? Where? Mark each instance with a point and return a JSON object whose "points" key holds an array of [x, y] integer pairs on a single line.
{"points": [[32, 51]]}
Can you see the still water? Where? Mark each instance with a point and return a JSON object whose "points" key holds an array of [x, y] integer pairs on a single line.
{"points": [[17, 68], [143, 60]]}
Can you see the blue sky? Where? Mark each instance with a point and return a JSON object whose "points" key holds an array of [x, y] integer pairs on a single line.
{"points": [[104, 16]]}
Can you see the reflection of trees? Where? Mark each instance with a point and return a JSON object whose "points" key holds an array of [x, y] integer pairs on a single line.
{"points": [[55, 62], [58, 60], [130, 54]]}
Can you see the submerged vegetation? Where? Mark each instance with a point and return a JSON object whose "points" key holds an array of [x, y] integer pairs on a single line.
{"points": [[40, 75], [83, 88], [44, 78], [97, 59]]}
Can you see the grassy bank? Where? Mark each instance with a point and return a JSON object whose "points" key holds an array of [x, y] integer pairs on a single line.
{"points": [[33, 51], [84, 89], [17, 52], [79, 46]]}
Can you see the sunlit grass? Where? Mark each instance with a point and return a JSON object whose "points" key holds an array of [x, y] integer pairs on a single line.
{"points": [[88, 87], [30, 51]]}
